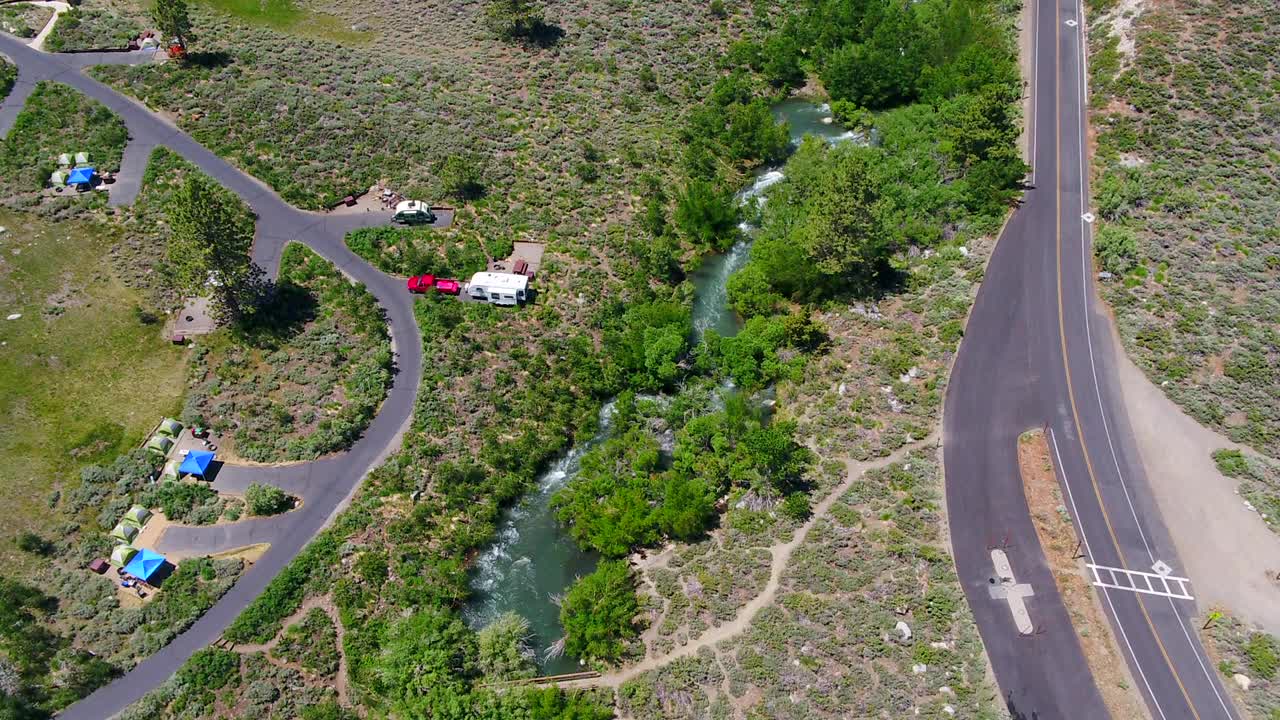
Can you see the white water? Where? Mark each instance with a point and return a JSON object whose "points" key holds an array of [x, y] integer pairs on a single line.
{"points": [[532, 560]]}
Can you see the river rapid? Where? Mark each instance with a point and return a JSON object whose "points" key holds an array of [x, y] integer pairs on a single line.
{"points": [[532, 561]]}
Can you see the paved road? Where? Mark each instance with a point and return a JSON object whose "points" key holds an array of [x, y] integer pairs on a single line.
{"points": [[325, 485], [1038, 353]]}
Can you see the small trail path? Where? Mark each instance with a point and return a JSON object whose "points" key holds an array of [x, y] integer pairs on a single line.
{"points": [[58, 8], [781, 552], [325, 603]]}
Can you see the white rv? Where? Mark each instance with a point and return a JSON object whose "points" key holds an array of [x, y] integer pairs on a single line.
{"points": [[413, 212], [498, 288]]}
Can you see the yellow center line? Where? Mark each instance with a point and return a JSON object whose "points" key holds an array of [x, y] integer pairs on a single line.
{"points": [[1066, 364]]}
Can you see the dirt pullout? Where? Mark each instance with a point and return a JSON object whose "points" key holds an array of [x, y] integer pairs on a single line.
{"points": [[1231, 556], [1058, 538]]}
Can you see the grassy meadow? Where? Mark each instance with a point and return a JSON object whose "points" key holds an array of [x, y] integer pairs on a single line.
{"points": [[83, 374]]}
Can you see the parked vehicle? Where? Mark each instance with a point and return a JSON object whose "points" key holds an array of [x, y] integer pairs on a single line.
{"points": [[413, 212], [421, 283], [448, 286], [499, 288]]}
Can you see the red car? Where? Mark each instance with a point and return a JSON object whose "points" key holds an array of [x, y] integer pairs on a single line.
{"points": [[421, 283], [448, 286]]}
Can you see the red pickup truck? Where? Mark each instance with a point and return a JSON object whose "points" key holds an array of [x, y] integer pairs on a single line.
{"points": [[425, 283], [421, 283]]}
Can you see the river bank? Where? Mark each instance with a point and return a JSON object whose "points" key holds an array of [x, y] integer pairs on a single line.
{"points": [[532, 561]]}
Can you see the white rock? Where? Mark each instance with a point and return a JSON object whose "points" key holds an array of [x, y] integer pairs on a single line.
{"points": [[947, 691], [3, 229], [1242, 680], [940, 645], [964, 251], [919, 668], [841, 389], [904, 630], [1247, 505], [948, 710], [14, 316]]}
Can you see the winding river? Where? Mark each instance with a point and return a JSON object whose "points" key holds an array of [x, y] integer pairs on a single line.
{"points": [[532, 561]]}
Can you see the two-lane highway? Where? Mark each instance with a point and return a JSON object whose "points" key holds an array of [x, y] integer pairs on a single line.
{"points": [[1037, 353]]}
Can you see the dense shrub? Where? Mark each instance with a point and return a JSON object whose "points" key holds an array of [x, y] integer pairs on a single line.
{"points": [[178, 500], [211, 669], [262, 499], [598, 611], [1117, 248]]}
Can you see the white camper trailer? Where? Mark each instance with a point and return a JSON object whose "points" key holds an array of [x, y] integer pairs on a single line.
{"points": [[498, 288]]}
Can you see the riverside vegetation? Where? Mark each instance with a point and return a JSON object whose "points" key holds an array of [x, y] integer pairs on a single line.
{"points": [[628, 172]]}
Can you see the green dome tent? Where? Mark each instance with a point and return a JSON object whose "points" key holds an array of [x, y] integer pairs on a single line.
{"points": [[169, 428], [124, 533], [137, 516], [160, 444], [122, 555]]}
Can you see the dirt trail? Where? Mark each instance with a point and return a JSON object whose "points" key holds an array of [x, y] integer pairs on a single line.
{"points": [[58, 8], [324, 602], [781, 558]]}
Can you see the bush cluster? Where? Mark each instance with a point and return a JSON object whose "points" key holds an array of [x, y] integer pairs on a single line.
{"points": [[1186, 189]]}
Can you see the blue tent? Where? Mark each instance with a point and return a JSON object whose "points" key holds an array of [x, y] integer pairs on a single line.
{"points": [[196, 463], [145, 565], [81, 176]]}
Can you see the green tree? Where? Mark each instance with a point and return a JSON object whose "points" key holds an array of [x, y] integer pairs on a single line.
{"points": [[841, 232], [263, 499], [426, 662], [882, 71], [980, 125], [503, 651], [209, 247], [750, 293], [597, 612], [688, 507], [515, 19], [172, 20], [461, 177], [707, 215]]}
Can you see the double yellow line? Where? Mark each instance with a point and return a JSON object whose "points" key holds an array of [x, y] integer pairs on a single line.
{"points": [[1066, 364]]}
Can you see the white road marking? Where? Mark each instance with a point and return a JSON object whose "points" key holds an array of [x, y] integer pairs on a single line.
{"points": [[1011, 591], [1106, 593], [1085, 243], [1088, 217], [1140, 582], [1071, 23], [1035, 88]]}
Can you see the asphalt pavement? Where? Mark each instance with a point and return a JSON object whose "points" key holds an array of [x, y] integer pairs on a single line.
{"points": [[325, 485], [1038, 353]]}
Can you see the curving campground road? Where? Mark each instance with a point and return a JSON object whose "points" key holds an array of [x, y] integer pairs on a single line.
{"points": [[326, 485], [1038, 352]]}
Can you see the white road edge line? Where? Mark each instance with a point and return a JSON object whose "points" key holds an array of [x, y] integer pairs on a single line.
{"points": [[1075, 513], [1085, 244], [1035, 89]]}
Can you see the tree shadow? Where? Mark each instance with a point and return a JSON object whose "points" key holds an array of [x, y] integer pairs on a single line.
{"points": [[543, 35], [209, 59], [284, 310], [1015, 713]]}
